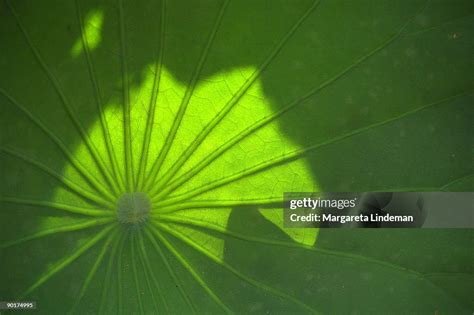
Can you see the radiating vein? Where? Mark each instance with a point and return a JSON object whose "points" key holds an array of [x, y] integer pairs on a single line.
{"points": [[170, 270], [98, 98], [108, 273], [449, 274], [424, 189], [62, 179], [154, 96], [65, 262], [135, 273], [185, 101], [93, 270], [62, 147], [129, 177], [187, 221], [445, 23], [90, 146], [289, 157], [407, 189], [59, 206], [193, 272], [329, 252], [266, 120], [455, 181], [150, 274], [59, 229], [120, 274], [230, 104], [256, 283], [213, 204]]}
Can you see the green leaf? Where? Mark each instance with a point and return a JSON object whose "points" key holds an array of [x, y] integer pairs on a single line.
{"points": [[213, 109]]}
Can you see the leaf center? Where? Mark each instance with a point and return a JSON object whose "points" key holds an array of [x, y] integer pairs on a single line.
{"points": [[133, 208]]}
